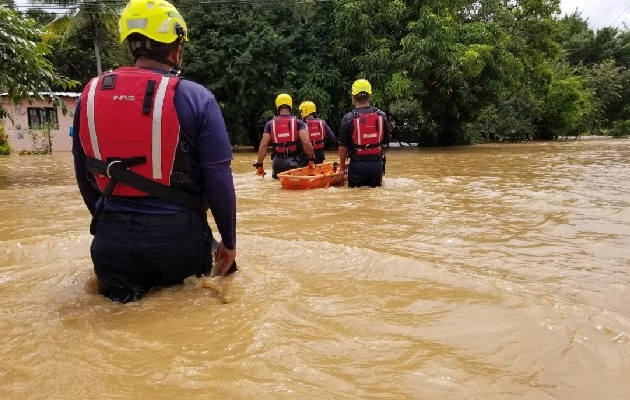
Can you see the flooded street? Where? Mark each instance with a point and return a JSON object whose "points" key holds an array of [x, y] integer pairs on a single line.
{"points": [[488, 272]]}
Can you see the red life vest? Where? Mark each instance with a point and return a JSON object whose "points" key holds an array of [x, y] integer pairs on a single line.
{"points": [[129, 114], [368, 134], [284, 135], [316, 132]]}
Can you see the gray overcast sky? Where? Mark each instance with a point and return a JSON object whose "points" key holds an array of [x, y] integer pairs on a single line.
{"points": [[600, 13]]}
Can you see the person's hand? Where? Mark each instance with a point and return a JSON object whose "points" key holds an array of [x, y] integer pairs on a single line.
{"points": [[224, 259], [341, 169], [260, 170], [311, 163]]}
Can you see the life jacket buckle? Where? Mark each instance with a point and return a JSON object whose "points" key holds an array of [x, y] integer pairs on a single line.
{"points": [[177, 177], [109, 166]]}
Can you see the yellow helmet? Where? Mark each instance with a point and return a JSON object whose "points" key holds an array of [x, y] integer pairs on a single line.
{"points": [[361, 85], [158, 20], [306, 108], [284, 99]]}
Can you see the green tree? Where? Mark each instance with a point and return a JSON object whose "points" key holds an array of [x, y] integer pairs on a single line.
{"points": [[447, 72], [96, 20], [248, 53], [606, 83], [566, 105], [367, 43], [25, 70]]}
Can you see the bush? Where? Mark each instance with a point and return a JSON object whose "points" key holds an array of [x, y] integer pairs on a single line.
{"points": [[5, 147], [42, 139], [620, 128]]}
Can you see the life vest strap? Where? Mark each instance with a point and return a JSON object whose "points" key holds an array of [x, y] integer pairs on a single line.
{"points": [[120, 173], [148, 97], [285, 144], [128, 162], [368, 146], [284, 148]]}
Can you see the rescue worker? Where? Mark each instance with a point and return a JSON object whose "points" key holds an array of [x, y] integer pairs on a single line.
{"points": [[289, 139], [319, 132], [362, 135], [152, 154]]}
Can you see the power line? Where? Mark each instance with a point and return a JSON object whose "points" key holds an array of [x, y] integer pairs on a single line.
{"points": [[620, 14]]}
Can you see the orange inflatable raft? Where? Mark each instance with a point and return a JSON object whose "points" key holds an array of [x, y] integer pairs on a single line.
{"points": [[322, 176]]}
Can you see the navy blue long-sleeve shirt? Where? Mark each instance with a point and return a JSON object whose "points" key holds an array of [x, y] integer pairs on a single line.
{"points": [[200, 120]]}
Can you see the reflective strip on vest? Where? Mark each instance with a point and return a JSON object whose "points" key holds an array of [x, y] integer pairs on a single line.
{"points": [[373, 144], [90, 116], [156, 130], [380, 130], [156, 134], [286, 144], [273, 128], [316, 136]]}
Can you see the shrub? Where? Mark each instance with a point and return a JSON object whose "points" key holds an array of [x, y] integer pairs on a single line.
{"points": [[620, 128], [5, 147], [42, 139]]}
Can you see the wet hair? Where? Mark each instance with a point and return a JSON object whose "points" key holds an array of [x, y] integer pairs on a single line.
{"points": [[140, 45]]}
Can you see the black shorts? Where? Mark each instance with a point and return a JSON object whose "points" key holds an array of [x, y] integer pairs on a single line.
{"points": [[365, 172], [136, 253], [281, 164], [320, 156]]}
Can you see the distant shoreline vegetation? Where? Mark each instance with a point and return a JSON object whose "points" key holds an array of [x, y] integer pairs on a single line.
{"points": [[447, 74]]}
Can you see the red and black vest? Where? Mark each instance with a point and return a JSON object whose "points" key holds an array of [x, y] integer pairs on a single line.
{"points": [[316, 132], [129, 116], [284, 135], [368, 134]]}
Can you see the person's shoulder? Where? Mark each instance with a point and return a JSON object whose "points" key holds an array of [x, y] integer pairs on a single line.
{"points": [[193, 87], [379, 112], [349, 114]]}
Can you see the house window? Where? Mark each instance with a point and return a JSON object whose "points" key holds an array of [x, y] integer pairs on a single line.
{"points": [[38, 116]]}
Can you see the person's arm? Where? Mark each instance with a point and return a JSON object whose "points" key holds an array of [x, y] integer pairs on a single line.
{"points": [[263, 147], [330, 136], [343, 155], [345, 132], [215, 156], [88, 192], [221, 198], [306, 143], [306, 140], [386, 130]]}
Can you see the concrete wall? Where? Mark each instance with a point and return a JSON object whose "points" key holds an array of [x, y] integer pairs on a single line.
{"points": [[18, 129]]}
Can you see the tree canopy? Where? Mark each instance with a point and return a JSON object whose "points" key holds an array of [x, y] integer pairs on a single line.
{"points": [[25, 71], [447, 72]]}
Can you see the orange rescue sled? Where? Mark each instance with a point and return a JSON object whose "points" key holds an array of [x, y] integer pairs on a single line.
{"points": [[322, 176]]}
